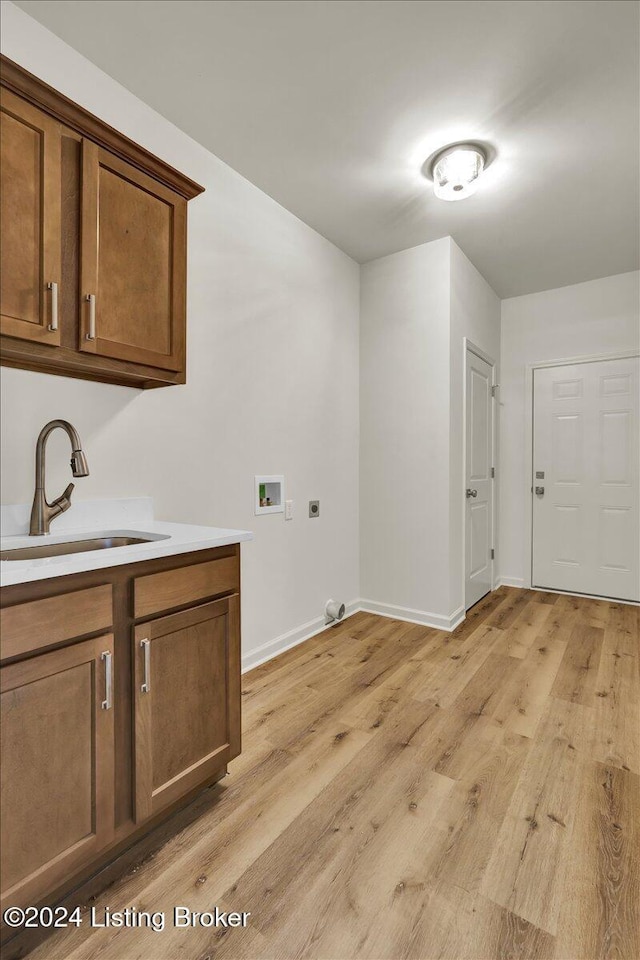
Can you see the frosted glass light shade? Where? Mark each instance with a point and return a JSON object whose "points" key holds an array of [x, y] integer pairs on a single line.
{"points": [[456, 173]]}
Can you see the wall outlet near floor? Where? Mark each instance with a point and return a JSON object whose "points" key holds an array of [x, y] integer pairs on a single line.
{"points": [[288, 509], [314, 508]]}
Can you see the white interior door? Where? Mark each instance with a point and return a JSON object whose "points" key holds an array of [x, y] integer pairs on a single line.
{"points": [[478, 494], [585, 479]]}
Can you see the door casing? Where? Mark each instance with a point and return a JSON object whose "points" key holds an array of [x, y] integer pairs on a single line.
{"points": [[469, 346]]}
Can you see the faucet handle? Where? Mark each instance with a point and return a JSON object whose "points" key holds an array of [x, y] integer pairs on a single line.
{"points": [[66, 495], [63, 502]]}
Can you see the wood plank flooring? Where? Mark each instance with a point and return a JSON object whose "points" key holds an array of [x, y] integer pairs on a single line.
{"points": [[408, 793]]}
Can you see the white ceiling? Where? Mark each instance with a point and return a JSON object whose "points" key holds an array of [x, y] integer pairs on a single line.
{"points": [[331, 107]]}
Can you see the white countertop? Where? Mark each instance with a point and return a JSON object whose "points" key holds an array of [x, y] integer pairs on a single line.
{"points": [[99, 519]]}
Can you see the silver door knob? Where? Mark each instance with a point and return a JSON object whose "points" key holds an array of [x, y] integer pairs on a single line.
{"points": [[472, 493]]}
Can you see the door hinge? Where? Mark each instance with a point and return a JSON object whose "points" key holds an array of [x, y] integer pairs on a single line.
{"points": [[493, 473], [493, 554], [494, 389]]}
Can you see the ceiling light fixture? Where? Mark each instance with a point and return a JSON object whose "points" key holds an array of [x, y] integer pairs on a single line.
{"points": [[456, 171]]}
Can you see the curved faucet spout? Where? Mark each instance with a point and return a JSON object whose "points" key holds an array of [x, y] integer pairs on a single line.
{"points": [[43, 512]]}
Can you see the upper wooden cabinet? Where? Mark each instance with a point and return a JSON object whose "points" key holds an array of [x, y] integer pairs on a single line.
{"points": [[30, 194], [94, 244], [133, 243]]}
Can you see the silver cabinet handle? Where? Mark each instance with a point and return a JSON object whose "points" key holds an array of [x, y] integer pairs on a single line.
{"points": [[471, 493], [108, 679], [145, 686], [540, 491], [54, 305], [91, 300]]}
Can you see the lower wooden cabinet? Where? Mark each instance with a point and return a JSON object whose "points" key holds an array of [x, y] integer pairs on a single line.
{"points": [[187, 721], [120, 700], [57, 742]]}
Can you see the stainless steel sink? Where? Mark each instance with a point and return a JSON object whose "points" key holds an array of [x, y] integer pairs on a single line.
{"points": [[72, 546]]}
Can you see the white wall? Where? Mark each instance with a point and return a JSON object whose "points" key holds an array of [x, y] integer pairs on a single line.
{"points": [[272, 375], [600, 317], [404, 430], [416, 308], [475, 314]]}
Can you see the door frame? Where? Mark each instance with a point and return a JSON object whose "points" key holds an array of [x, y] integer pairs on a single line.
{"points": [[468, 346], [529, 408]]}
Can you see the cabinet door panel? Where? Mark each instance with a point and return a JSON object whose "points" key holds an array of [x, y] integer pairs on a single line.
{"points": [[133, 263], [187, 718], [57, 767], [30, 192]]}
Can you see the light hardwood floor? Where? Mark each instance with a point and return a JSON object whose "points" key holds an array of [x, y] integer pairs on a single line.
{"points": [[407, 793]]}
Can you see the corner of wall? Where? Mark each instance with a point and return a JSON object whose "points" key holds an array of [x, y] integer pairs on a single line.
{"points": [[404, 437], [592, 318], [475, 315]]}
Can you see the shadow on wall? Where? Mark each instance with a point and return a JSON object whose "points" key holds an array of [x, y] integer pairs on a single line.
{"points": [[95, 409]]}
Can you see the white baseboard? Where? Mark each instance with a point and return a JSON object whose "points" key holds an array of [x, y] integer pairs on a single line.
{"points": [[512, 582], [271, 649], [436, 620], [586, 596], [267, 651], [523, 585]]}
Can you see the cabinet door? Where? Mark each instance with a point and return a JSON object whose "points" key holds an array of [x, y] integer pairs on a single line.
{"points": [[30, 192], [133, 264], [187, 701], [57, 766]]}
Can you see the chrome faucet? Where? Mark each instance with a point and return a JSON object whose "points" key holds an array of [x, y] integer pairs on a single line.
{"points": [[43, 512]]}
